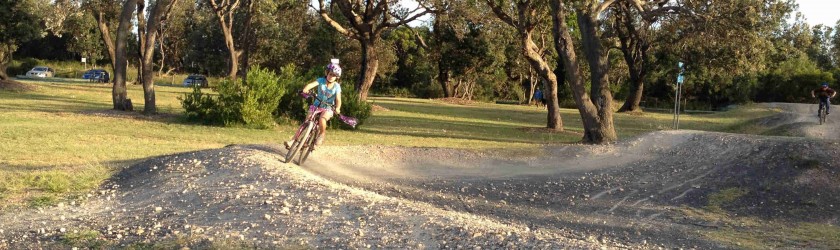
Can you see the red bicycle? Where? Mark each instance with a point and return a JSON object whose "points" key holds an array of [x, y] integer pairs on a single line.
{"points": [[308, 133]]}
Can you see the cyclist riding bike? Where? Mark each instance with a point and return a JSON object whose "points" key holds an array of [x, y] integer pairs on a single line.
{"points": [[824, 93], [328, 96]]}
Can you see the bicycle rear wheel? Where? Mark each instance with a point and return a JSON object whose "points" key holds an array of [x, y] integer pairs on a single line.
{"points": [[313, 138], [298, 142]]}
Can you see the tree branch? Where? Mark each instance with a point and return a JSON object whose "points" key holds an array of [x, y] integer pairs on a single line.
{"points": [[501, 13], [333, 23]]}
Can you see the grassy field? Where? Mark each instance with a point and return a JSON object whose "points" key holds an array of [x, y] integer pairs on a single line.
{"points": [[63, 139]]}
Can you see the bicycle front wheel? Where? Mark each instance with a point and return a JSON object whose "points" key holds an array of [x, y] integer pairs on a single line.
{"points": [[313, 138], [298, 142]]}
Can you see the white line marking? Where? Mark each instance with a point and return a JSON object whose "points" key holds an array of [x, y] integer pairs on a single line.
{"points": [[603, 193], [622, 200], [683, 194], [695, 178]]}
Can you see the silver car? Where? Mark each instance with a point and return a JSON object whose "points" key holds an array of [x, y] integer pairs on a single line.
{"points": [[41, 71], [199, 80]]}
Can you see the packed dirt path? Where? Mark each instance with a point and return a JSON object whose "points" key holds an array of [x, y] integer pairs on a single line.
{"points": [[801, 120], [666, 189]]}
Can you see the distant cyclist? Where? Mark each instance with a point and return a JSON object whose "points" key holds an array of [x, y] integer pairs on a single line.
{"points": [[824, 93]]}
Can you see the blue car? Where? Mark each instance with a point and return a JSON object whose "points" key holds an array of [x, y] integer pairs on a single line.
{"points": [[97, 75]]}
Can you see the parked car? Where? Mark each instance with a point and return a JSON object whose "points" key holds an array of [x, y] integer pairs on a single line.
{"points": [[97, 75], [196, 79], [41, 71]]}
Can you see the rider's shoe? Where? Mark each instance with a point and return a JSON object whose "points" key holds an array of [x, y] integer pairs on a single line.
{"points": [[287, 144]]}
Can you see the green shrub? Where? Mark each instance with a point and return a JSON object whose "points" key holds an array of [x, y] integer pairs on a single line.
{"points": [[250, 103], [427, 90], [292, 107], [200, 107], [351, 106], [22, 66]]}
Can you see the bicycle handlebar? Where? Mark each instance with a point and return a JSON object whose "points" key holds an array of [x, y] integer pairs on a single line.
{"points": [[346, 119]]}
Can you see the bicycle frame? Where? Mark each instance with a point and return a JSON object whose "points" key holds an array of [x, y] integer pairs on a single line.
{"points": [[307, 133]]}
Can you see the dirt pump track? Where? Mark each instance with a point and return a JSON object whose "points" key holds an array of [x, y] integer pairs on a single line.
{"points": [[630, 194]]}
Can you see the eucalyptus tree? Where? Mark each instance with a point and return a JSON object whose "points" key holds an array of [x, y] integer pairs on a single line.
{"points": [[525, 16], [106, 13], [172, 36], [225, 11], [148, 31], [119, 93], [85, 38], [18, 23], [835, 45], [596, 107], [820, 51], [367, 20], [726, 46]]}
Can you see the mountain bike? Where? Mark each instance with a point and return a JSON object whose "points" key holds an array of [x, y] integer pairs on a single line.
{"points": [[823, 111], [309, 131]]}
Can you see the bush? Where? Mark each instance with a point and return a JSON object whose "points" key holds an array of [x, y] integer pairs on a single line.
{"points": [[200, 107], [22, 66], [351, 106], [250, 103], [292, 107]]}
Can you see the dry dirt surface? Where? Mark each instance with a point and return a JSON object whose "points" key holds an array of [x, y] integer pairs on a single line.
{"points": [[11, 85], [631, 194]]}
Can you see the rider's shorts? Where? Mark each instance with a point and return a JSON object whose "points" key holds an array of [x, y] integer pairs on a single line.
{"points": [[325, 113]]}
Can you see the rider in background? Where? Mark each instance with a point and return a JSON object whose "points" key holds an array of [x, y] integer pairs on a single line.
{"points": [[328, 94], [824, 93]]}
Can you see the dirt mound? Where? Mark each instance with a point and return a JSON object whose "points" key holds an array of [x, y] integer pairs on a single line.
{"points": [[800, 120], [12, 85], [597, 190], [245, 193], [644, 192]]}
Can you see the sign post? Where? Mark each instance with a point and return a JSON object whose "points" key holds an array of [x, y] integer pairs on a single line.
{"points": [[677, 96], [84, 60]]}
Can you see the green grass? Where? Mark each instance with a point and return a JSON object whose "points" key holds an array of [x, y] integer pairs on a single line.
{"points": [[63, 138], [87, 239], [745, 232], [724, 197], [772, 235]]}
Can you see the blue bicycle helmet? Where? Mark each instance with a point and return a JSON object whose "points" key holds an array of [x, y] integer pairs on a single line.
{"points": [[825, 84]]}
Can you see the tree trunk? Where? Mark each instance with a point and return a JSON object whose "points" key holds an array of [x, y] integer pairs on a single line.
{"points": [[5, 58], [445, 81], [542, 68], [635, 97], [634, 49], [162, 53], [119, 93], [160, 9], [444, 75], [370, 63], [233, 55], [599, 67], [141, 35], [249, 38], [597, 125], [106, 38]]}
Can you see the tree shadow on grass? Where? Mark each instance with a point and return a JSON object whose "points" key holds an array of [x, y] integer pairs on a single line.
{"points": [[483, 131]]}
